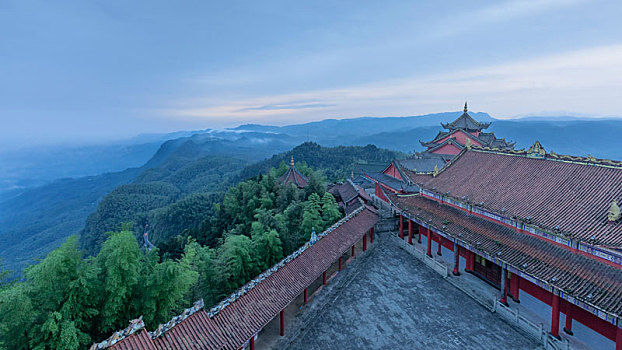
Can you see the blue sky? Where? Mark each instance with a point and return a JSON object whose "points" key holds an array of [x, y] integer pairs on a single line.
{"points": [[74, 71]]}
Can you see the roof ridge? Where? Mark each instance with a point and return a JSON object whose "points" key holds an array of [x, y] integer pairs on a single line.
{"points": [[551, 156], [134, 326]]}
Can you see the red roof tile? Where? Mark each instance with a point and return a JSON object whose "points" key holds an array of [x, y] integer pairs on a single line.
{"points": [[576, 274], [575, 197]]}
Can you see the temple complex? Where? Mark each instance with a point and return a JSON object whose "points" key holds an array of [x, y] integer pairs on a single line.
{"points": [[526, 221], [537, 227]]}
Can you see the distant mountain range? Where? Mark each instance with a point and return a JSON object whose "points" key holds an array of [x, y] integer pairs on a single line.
{"points": [[38, 210]]}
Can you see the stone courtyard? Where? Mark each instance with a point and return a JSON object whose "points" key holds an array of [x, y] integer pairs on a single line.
{"points": [[387, 299]]}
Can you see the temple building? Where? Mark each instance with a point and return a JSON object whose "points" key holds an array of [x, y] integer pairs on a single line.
{"points": [[461, 132], [293, 176], [526, 221], [349, 196]]}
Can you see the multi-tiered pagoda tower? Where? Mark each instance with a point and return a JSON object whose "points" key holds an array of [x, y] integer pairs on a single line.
{"points": [[460, 133]]}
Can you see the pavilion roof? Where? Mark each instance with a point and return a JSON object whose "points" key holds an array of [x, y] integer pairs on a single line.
{"points": [[231, 323], [292, 175], [591, 281], [465, 122], [563, 194], [486, 139], [393, 183]]}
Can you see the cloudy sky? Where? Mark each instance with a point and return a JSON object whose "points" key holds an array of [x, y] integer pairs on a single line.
{"points": [[99, 70]]}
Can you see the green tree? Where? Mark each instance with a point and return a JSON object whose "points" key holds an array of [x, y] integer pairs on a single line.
{"points": [[330, 210], [162, 290], [266, 246], [62, 291], [311, 217], [235, 265], [17, 317], [118, 261], [201, 261]]}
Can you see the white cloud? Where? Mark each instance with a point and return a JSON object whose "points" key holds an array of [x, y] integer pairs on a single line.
{"points": [[584, 81]]}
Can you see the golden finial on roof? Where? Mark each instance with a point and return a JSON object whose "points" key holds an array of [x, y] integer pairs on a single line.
{"points": [[465, 107], [292, 161], [435, 172], [614, 212]]}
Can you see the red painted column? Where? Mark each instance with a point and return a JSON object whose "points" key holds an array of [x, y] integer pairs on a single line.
{"points": [[371, 235], [282, 315], [401, 227], [555, 315], [252, 345], [456, 271], [410, 231], [324, 278], [619, 336], [504, 286], [470, 259], [353, 251], [440, 244], [305, 296], [419, 234], [365, 242], [515, 287], [340, 259], [429, 249], [568, 328]]}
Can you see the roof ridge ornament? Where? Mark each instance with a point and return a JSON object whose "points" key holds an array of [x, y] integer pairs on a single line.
{"points": [[435, 172], [466, 109], [536, 151], [614, 212], [291, 163], [467, 143]]}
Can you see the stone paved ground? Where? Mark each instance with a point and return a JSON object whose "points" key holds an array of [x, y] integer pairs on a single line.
{"points": [[390, 300]]}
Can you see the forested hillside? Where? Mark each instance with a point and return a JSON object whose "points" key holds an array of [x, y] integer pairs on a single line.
{"points": [[171, 198], [179, 196]]}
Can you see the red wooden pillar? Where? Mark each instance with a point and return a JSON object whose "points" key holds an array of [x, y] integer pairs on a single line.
{"points": [[419, 234], [305, 296], [282, 316], [470, 261], [340, 259], [456, 271], [365, 242], [401, 226], [429, 249], [568, 327], [619, 336], [555, 315], [410, 231], [440, 245], [515, 287], [353, 251], [371, 235], [324, 278], [252, 343], [504, 286]]}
